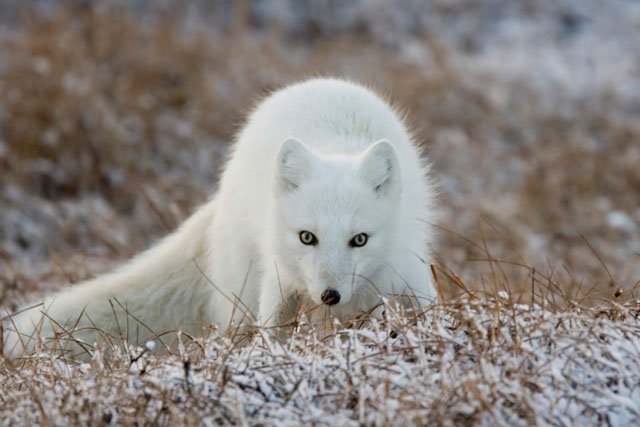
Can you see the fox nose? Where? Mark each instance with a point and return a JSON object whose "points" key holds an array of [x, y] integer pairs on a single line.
{"points": [[330, 297]]}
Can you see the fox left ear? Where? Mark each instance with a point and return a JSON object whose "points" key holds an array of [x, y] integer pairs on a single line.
{"points": [[294, 164], [379, 168]]}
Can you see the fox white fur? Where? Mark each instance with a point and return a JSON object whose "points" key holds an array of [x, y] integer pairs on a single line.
{"points": [[325, 156]]}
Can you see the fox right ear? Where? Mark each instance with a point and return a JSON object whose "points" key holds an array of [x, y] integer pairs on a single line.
{"points": [[379, 168], [294, 164]]}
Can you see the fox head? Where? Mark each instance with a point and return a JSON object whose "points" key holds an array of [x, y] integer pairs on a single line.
{"points": [[336, 217]]}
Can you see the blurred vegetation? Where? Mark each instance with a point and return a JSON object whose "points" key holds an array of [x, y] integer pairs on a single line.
{"points": [[114, 121]]}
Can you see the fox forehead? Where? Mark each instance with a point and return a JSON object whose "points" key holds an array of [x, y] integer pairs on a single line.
{"points": [[334, 208], [334, 198]]}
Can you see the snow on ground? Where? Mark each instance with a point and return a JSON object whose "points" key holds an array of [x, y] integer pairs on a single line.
{"points": [[466, 362]]}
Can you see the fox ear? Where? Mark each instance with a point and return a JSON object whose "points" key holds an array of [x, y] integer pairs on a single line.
{"points": [[294, 164], [379, 168]]}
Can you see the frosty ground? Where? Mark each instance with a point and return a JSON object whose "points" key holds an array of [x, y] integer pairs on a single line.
{"points": [[462, 363]]}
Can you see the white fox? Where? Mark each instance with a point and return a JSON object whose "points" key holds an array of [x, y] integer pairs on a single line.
{"points": [[324, 195]]}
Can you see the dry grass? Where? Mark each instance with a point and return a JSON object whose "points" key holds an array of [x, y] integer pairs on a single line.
{"points": [[466, 362], [113, 126]]}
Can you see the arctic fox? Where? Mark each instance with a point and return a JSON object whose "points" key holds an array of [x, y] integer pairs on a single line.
{"points": [[324, 195]]}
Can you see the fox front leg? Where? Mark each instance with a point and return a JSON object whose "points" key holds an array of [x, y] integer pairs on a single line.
{"points": [[270, 302], [378, 312]]}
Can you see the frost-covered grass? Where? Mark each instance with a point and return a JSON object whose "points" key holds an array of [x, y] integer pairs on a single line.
{"points": [[465, 362]]}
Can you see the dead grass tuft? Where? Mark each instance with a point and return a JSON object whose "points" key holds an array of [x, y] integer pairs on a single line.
{"points": [[463, 362]]}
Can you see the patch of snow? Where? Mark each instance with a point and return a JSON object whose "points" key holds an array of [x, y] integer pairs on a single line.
{"points": [[620, 221]]}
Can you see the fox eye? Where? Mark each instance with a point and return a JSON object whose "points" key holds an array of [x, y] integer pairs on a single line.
{"points": [[359, 240], [308, 238]]}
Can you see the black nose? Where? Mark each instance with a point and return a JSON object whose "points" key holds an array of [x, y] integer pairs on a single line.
{"points": [[330, 297]]}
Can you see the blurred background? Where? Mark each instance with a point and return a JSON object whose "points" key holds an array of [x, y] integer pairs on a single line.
{"points": [[115, 118]]}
